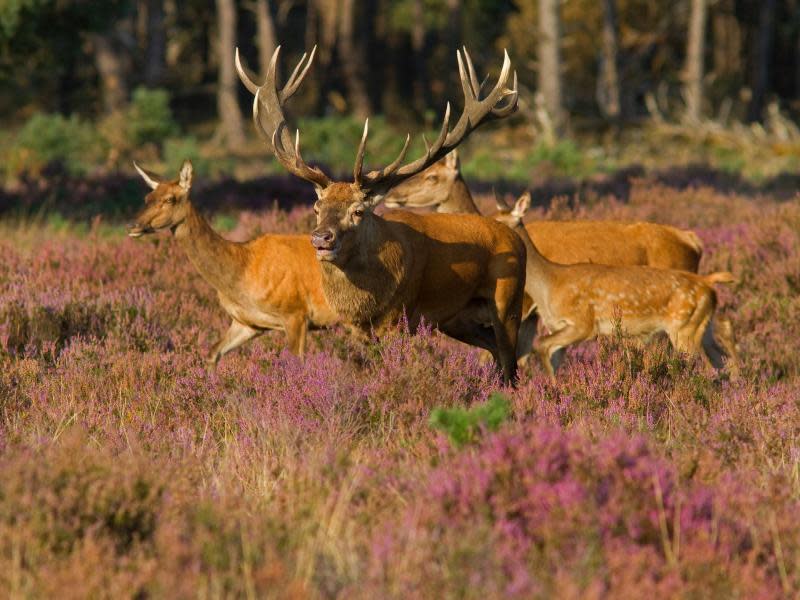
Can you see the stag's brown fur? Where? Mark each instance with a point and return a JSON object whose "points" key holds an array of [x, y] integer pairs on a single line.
{"points": [[270, 283], [457, 272]]}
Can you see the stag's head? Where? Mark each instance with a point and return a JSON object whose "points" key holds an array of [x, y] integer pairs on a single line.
{"points": [[432, 187], [166, 206], [344, 210]]}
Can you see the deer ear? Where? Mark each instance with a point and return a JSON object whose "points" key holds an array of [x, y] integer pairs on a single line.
{"points": [[522, 205], [187, 173], [149, 178], [451, 159]]}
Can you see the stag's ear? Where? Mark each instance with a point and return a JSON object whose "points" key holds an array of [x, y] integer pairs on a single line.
{"points": [[186, 175], [451, 159], [522, 205], [149, 178]]}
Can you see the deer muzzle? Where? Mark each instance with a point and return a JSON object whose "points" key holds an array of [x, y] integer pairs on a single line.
{"points": [[325, 243]]}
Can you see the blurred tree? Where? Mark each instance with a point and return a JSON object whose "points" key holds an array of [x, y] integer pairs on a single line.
{"points": [[352, 59], [549, 68], [761, 65], [695, 60], [608, 87], [230, 130], [156, 48], [265, 32]]}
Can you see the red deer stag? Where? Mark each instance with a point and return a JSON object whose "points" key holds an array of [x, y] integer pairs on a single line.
{"points": [[458, 272], [271, 282], [578, 302], [566, 242]]}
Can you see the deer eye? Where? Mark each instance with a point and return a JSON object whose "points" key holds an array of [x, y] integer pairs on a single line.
{"points": [[170, 199], [359, 212]]}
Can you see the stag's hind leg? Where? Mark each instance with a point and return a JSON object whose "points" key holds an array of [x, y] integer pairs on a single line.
{"points": [[237, 334]]}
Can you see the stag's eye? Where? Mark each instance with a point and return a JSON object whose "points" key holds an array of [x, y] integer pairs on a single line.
{"points": [[359, 212], [170, 199]]}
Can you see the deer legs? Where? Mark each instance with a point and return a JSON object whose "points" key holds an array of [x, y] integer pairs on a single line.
{"points": [[237, 334]]}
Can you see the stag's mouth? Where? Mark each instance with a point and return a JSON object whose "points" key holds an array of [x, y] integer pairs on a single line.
{"points": [[327, 252], [138, 231]]}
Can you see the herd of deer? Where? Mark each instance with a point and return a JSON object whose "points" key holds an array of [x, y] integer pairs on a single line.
{"points": [[483, 281]]}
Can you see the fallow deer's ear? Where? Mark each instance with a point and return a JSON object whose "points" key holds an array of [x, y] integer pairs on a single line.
{"points": [[500, 202], [451, 159], [150, 179], [522, 205], [186, 175]]}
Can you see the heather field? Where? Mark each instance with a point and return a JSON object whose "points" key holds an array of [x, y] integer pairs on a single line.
{"points": [[396, 468]]}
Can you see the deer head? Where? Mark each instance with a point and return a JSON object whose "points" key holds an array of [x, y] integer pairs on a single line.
{"points": [[344, 210], [167, 206], [432, 187], [512, 216]]}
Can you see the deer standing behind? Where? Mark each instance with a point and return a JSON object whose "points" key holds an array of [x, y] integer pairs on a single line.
{"points": [[270, 283], [581, 301], [458, 272], [442, 187]]}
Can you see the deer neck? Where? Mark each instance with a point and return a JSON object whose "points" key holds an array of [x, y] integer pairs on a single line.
{"points": [[538, 270], [460, 200], [361, 289], [219, 261]]}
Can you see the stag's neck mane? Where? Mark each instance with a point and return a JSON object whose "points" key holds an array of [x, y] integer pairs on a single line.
{"points": [[220, 262], [460, 199], [360, 289]]}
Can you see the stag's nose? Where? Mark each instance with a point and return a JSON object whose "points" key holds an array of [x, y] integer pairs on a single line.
{"points": [[322, 238]]}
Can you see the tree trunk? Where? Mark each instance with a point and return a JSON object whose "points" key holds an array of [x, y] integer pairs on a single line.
{"points": [[608, 87], [352, 61], [156, 50], [113, 68], [549, 55], [265, 32], [231, 130], [761, 64], [695, 54], [453, 25], [727, 40], [420, 85]]}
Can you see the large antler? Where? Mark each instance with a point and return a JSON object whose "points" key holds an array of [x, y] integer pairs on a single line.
{"points": [[268, 116], [476, 111]]}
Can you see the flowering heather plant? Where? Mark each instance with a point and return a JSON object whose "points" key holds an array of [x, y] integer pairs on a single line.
{"points": [[128, 469]]}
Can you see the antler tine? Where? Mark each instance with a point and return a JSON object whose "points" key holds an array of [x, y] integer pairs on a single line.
{"points": [[473, 76], [270, 122], [499, 112], [248, 83], [475, 112], [362, 148], [392, 166], [296, 79]]}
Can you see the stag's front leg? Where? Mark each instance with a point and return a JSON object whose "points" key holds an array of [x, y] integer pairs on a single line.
{"points": [[296, 334], [237, 334]]}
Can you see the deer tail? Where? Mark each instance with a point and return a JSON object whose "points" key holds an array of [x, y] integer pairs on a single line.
{"points": [[720, 277]]}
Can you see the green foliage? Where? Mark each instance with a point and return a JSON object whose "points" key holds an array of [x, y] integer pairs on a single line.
{"points": [[176, 150], [11, 13], [49, 138], [463, 426], [333, 141], [150, 118], [564, 159]]}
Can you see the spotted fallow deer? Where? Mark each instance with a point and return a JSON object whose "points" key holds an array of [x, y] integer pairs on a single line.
{"points": [[455, 271], [442, 187], [581, 301], [273, 282]]}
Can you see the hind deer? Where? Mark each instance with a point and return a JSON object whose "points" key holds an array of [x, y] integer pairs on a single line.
{"points": [[458, 272], [581, 301], [442, 187], [270, 283]]}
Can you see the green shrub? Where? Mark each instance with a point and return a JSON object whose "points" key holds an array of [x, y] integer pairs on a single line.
{"points": [[47, 138], [463, 426], [150, 119], [176, 150]]}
